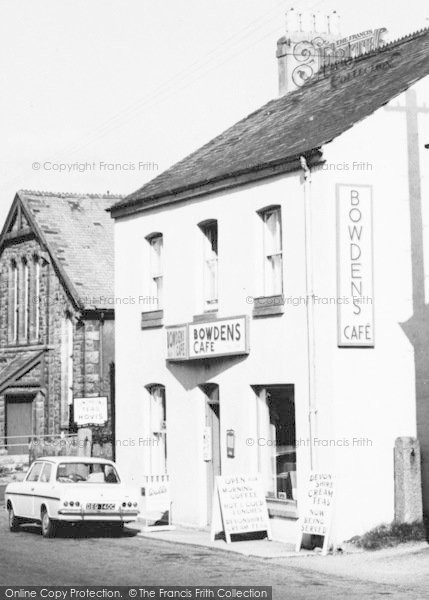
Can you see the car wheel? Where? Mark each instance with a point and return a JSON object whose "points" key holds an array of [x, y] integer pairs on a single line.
{"points": [[49, 527], [13, 520]]}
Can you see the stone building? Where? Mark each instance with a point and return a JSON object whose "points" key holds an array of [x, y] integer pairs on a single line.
{"points": [[56, 315]]}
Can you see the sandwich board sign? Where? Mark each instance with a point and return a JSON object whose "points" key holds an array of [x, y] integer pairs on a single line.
{"points": [[239, 506], [317, 510]]}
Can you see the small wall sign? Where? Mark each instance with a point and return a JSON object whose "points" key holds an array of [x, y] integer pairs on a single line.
{"points": [[90, 411]]}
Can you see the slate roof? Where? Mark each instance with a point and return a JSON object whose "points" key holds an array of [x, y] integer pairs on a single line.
{"points": [[294, 124], [79, 234]]}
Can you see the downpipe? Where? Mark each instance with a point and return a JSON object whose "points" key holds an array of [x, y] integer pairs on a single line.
{"points": [[311, 350]]}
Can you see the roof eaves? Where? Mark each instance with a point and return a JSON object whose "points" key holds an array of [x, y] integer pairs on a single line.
{"points": [[135, 203]]}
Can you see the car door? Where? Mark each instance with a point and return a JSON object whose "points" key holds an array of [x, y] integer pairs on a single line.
{"points": [[43, 490], [26, 501]]}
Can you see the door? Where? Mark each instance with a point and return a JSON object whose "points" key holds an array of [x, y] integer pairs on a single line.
{"points": [[19, 423], [24, 502], [212, 443]]}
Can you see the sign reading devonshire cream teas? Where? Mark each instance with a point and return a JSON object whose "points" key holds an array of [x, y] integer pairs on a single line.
{"points": [[316, 516], [239, 506], [355, 266], [224, 337]]}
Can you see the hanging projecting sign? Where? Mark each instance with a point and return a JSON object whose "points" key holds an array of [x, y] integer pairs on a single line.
{"points": [[211, 339], [90, 411], [177, 342], [355, 266]]}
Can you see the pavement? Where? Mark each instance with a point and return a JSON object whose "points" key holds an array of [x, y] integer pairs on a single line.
{"points": [[201, 537], [405, 563]]}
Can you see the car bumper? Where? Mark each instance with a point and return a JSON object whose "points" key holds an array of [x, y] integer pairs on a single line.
{"points": [[122, 516]]}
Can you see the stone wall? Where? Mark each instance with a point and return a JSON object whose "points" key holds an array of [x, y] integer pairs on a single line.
{"points": [[90, 372]]}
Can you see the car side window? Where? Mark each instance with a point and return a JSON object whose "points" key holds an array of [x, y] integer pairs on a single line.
{"points": [[35, 471], [45, 477]]}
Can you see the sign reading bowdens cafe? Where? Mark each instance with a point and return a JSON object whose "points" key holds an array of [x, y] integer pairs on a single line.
{"points": [[316, 516], [355, 266], [239, 506], [224, 337], [90, 411]]}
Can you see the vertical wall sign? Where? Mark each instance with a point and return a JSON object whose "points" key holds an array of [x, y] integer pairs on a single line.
{"points": [[355, 266]]}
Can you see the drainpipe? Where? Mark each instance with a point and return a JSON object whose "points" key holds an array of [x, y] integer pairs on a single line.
{"points": [[311, 350]]}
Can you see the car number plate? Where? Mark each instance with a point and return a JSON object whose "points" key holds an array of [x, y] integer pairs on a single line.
{"points": [[93, 506]]}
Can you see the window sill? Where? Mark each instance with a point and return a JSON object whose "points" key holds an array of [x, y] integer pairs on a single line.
{"points": [[152, 319], [209, 315], [282, 509], [267, 306]]}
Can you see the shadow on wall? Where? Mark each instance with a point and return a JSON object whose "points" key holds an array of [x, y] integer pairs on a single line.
{"points": [[193, 373], [417, 327]]}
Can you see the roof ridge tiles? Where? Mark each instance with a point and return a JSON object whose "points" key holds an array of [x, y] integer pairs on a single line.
{"points": [[69, 194]]}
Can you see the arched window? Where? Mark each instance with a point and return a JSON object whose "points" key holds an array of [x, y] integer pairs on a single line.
{"points": [[273, 250], [14, 303], [210, 258], [36, 299], [156, 243], [26, 299], [158, 429]]}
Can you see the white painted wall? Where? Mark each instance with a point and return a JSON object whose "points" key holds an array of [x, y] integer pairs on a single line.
{"points": [[361, 393]]}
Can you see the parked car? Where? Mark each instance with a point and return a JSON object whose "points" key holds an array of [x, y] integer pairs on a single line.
{"points": [[70, 489]]}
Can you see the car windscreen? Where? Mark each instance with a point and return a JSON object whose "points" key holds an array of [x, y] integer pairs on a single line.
{"points": [[82, 472]]}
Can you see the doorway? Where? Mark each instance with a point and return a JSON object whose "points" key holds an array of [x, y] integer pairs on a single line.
{"points": [[211, 442], [19, 423]]}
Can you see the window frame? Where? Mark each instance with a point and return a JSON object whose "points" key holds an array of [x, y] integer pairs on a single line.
{"points": [[160, 433], [210, 260], [271, 286], [33, 468], [156, 270]]}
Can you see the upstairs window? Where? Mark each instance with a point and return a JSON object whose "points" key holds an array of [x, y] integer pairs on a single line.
{"points": [[273, 253], [210, 258], [14, 309], [156, 243], [36, 299], [26, 300]]}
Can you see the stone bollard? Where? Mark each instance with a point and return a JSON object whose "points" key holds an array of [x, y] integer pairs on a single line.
{"points": [[408, 483], [84, 441]]}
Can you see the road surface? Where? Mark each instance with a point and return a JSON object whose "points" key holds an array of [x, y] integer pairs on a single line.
{"points": [[99, 557]]}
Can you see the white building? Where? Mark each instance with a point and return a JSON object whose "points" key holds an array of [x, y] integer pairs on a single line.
{"points": [[316, 195]]}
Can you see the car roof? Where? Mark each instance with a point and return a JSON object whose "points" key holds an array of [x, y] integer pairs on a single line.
{"points": [[73, 459]]}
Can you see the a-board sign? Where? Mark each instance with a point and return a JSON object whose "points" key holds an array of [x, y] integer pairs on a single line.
{"points": [[90, 411], [316, 516], [156, 505], [239, 506]]}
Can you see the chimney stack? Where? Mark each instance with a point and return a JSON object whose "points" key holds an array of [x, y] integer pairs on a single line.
{"points": [[298, 52]]}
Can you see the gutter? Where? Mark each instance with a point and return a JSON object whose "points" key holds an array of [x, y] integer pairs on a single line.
{"points": [[215, 185]]}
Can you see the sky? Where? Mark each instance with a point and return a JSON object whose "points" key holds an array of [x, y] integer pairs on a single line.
{"points": [[103, 95]]}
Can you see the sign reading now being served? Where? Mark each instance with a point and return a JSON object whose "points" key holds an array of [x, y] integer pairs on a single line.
{"points": [[224, 337], [317, 510], [355, 266], [90, 411]]}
